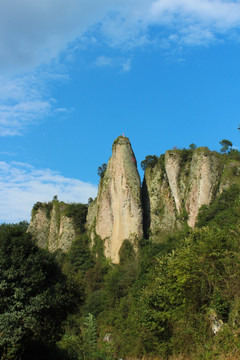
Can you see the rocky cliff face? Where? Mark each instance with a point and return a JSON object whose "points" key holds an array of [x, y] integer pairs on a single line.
{"points": [[116, 214], [180, 183], [51, 227], [174, 188], [159, 206]]}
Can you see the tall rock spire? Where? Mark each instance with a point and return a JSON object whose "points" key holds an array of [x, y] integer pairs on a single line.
{"points": [[116, 214]]}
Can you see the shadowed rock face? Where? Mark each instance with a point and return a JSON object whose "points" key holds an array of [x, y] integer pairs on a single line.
{"points": [[116, 214]]}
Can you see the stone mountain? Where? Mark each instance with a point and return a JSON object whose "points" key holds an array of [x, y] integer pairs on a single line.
{"points": [[174, 188]]}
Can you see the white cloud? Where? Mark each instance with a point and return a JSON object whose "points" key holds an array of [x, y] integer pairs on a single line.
{"points": [[196, 22], [223, 14], [126, 66], [103, 61], [24, 100], [34, 32], [143, 22], [21, 185]]}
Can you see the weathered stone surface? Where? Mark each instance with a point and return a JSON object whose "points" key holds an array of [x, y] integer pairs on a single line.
{"points": [[66, 233], [205, 174], [158, 202], [116, 214], [39, 227], [172, 166], [172, 193], [52, 229], [185, 183]]}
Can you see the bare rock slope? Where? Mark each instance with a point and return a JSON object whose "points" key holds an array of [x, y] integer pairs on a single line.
{"points": [[116, 213]]}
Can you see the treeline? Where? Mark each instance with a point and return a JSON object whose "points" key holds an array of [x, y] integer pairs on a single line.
{"points": [[177, 297]]}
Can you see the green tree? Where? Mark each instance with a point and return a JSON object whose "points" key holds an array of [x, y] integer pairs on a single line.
{"points": [[226, 146], [150, 160], [90, 200], [199, 278], [34, 295], [223, 212], [78, 212], [126, 253], [192, 146], [102, 169], [89, 333], [79, 256]]}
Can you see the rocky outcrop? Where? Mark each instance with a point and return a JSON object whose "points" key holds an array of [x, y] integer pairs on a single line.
{"points": [[39, 227], [51, 227], [174, 188], [159, 207], [178, 185], [203, 184], [116, 214]]}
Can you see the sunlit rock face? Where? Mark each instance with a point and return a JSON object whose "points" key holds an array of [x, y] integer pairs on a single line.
{"points": [[51, 228], [116, 214], [178, 185], [39, 227], [204, 180], [174, 188]]}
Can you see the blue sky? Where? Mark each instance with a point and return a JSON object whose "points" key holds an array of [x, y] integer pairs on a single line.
{"points": [[74, 75]]}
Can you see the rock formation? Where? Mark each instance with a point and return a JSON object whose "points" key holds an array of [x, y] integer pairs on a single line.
{"points": [[203, 183], [51, 226], [159, 207], [180, 183], [174, 188], [116, 214]]}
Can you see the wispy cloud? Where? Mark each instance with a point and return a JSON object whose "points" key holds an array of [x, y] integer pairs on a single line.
{"points": [[196, 22], [126, 66], [50, 26], [21, 185], [222, 14], [105, 61], [24, 100], [33, 34]]}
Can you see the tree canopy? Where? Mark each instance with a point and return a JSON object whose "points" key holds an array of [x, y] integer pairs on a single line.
{"points": [[226, 145], [34, 295], [102, 169], [150, 160]]}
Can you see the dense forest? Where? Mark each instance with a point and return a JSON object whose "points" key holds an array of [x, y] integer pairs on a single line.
{"points": [[177, 298]]}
